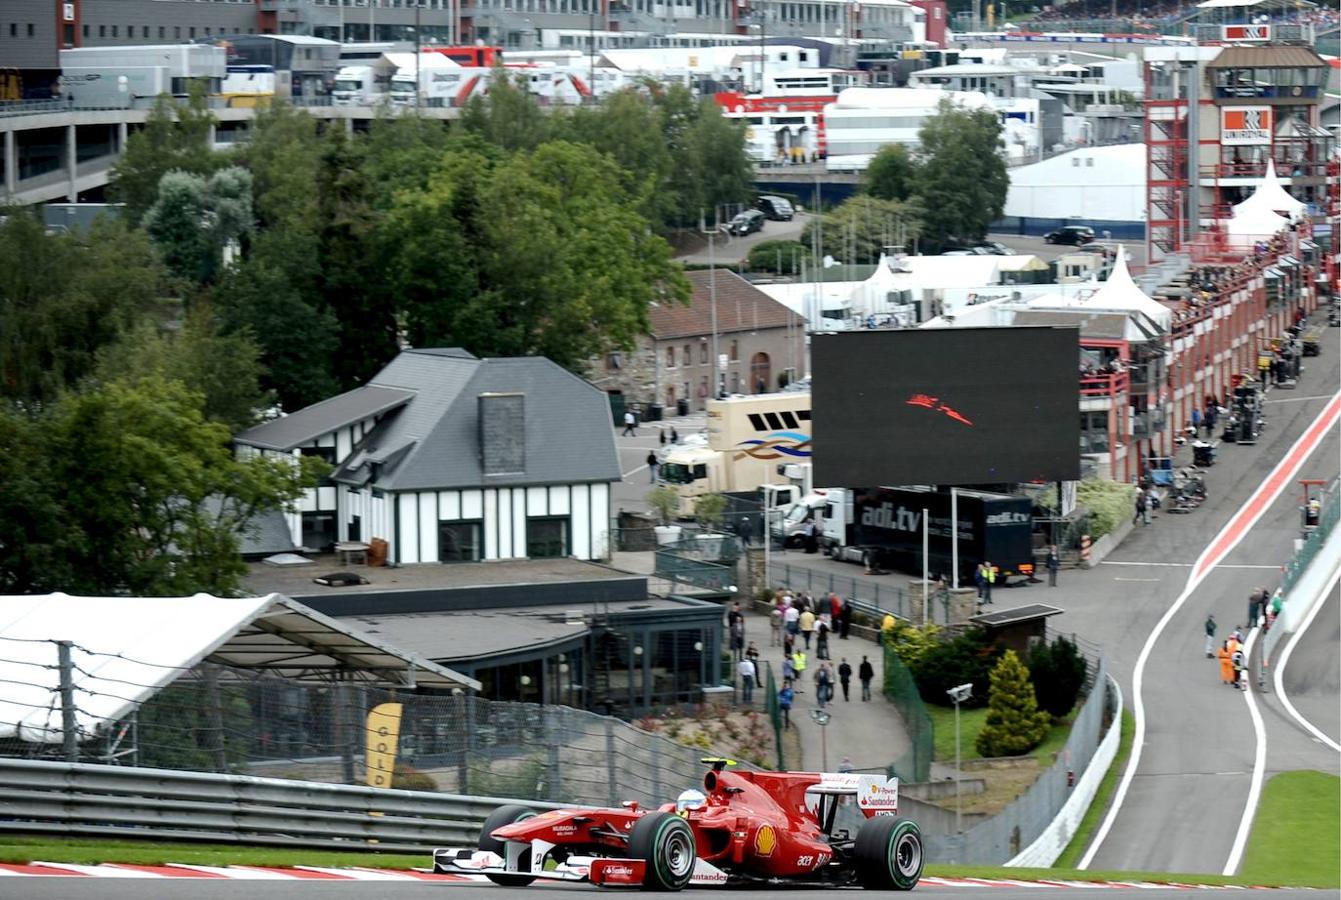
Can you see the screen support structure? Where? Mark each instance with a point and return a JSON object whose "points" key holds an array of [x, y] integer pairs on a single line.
{"points": [[926, 568], [954, 537]]}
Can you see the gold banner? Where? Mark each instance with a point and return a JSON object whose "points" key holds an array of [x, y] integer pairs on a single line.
{"points": [[383, 734]]}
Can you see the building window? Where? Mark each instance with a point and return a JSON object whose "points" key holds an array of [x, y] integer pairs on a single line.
{"points": [[86, 31], [735, 350], [102, 31], [177, 32], [30, 29], [459, 541], [688, 357], [193, 32], [703, 352], [614, 361], [162, 32], [547, 538], [326, 453], [14, 29], [670, 357], [114, 29], [144, 31]]}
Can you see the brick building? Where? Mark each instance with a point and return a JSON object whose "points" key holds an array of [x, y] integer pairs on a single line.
{"points": [[760, 343]]}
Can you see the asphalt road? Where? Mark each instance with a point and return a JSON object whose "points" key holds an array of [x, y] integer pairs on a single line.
{"points": [[1036, 245], [1312, 679], [731, 249], [45, 888]]}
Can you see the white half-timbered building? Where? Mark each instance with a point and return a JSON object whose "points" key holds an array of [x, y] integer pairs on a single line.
{"points": [[451, 458]]}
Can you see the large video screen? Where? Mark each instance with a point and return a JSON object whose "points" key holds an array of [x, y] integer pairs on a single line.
{"points": [[946, 406]]}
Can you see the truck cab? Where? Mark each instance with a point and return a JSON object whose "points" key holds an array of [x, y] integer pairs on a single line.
{"points": [[693, 471]]}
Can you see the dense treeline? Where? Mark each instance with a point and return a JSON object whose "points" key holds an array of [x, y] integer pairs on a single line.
{"points": [[294, 267]]}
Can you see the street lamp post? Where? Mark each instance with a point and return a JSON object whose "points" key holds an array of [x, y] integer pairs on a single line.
{"points": [[959, 695]]}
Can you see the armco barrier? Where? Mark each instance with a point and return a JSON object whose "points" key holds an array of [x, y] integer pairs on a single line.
{"points": [[1043, 852], [76, 798]]}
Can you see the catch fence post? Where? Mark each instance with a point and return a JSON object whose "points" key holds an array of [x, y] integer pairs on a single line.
{"points": [[69, 734]]}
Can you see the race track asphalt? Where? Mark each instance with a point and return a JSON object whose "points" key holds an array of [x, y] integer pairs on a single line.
{"points": [[1312, 679], [135, 889]]}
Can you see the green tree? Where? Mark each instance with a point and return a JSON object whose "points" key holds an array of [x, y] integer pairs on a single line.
{"points": [[891, 174], [962, 178], [153, 498], [175, 136], [538, 254], [224, 369], [34, 539], [862, 227], [508, 116], [1057, 671], [402, 152], [64, 297], [196, 218], [1014, 725], [912, 642]]}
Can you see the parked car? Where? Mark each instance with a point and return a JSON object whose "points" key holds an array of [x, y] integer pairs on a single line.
{"points": [[1070, 234], [1108, 250], [747, 222], [777, 209], [993, 248]]}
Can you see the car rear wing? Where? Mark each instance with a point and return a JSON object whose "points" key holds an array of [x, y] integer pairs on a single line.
{"points": [[876, 795]]}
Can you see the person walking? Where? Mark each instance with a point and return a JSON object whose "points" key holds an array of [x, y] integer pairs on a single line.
{"points": [[1054, 562], [630, 424], [788, 669], [988, 578], [822, 684], [1210, 635], [1226, 663], [1209, 418], [775, 626], [791, 617], [807, 625], [746, 671], [675, 435], [752, 654], [799, 664], [1142, 509], [785, 697], [822, 640], [845, 618], [1196, 421], [865, 672], [652, 466], [1254, 605], [845, 678]]}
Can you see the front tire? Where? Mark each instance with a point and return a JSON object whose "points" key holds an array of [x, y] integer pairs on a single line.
{"points": [[506, 815], [666, 842], [889, 854]]}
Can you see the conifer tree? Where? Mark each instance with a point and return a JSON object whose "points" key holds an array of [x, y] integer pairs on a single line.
{"points": [[1014, 723]]}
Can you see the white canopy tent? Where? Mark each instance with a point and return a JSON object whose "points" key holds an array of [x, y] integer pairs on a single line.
{"points": [[1270, 197], [126, 649], [1120, 292]]}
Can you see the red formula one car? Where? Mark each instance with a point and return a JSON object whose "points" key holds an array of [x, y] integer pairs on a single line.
{"points": [[742, 828]]}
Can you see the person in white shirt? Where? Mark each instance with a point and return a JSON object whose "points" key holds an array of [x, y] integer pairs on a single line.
{"points": [[747, 674]]}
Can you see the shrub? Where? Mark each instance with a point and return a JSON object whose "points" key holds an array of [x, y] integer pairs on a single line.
{"points": [[912, 642], [966, 658], [708, 509], [1058, 673], [664, 502], [407, 778], [1014, 725], [1107, 502], [764, 257]]}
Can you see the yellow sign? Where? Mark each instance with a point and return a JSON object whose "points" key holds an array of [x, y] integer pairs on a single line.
{"points": [[383, 733], [765, 840]]}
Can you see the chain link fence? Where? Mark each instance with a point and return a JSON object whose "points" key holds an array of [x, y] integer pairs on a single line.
{"points": [[219, 719], [914, 765], [774, 710]]}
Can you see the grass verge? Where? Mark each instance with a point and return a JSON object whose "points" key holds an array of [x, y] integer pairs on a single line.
{"points": [[1297, 831], [1102, 797], [91, 851], [971, 722]]}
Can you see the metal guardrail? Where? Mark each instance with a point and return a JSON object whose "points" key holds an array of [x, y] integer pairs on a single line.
{"points": [[78, 798]]}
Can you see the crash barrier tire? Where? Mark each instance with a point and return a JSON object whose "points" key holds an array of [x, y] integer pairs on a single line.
{"points": [[889, 854], [506, 815], [666, 843]]}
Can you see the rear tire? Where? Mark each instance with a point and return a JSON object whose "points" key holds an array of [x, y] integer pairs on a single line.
{"points": [[506, 815], [666, 842], [888, 854]]}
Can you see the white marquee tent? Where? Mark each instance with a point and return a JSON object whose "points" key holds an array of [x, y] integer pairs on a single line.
{"points": [[126, 649]]}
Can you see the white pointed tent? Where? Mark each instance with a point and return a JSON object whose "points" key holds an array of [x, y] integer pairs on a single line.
{"points": [[1120, 292], [1269, 197]]}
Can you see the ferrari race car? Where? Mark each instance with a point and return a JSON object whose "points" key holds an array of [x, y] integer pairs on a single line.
{"points": [[742, 828]]}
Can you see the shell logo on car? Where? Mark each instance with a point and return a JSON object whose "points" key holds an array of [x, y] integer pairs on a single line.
{"points": [[765, 839]]}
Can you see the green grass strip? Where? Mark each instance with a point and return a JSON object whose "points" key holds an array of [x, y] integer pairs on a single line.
{"points": [[1102, 797], [1296, 833]]}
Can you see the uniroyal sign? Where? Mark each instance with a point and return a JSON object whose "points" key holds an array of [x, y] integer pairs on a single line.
{"points": [[1245, 125], [1246, 32]]}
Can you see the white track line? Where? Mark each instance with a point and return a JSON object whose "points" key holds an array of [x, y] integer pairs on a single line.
{"points": [[1288, 467], [1259, 764], [1285, 658]]}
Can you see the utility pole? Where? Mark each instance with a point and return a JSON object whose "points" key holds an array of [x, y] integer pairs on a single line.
{"points": [[69, 728], [418, 85], [712, 293]]}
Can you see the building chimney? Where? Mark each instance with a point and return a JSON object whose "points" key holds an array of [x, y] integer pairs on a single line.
{"points": [[502, 433]]}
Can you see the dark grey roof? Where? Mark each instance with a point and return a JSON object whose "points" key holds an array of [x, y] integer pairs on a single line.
{"points": [[1013, 616], [310, 423], [433, 442], [1099, 325], [474, 636], [265, 534]]}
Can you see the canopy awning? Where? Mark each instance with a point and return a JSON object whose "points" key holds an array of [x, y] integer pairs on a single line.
{"points": [[123, 650]]}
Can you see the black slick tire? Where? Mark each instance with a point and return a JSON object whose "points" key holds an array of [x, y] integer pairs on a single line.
{"points": [[506, 815], [888, 854], [666, 843]]}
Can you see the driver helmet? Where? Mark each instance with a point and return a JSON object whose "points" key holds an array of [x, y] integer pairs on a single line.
{"points": [[690, 800]]}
